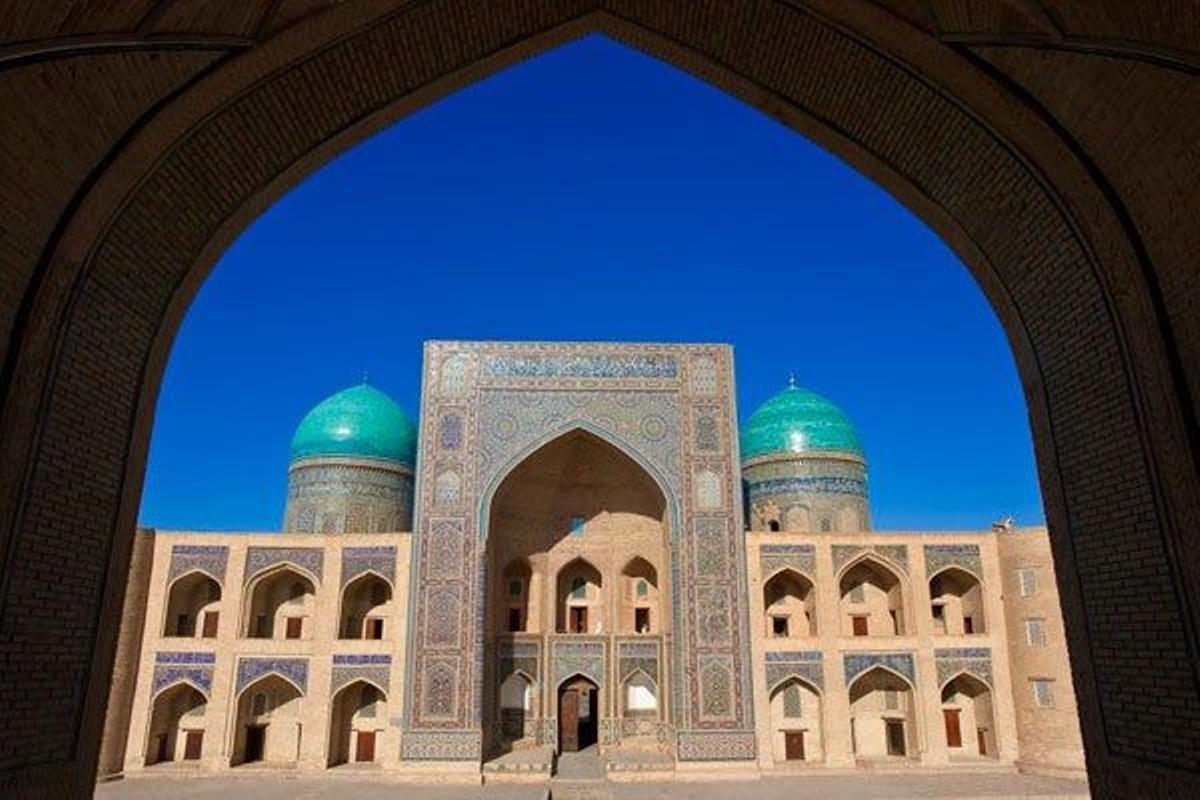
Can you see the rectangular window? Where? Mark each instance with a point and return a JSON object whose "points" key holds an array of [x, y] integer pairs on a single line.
{"points": [[579, 619], [968, 625], [860, 626], [1035, 632], [262, 628], [1027, 578], [183, 625], [641, 620], [1043, 692], [210, 624], [577, 526], [779, 626], [514, 620], [374, 628], [294, 626]]}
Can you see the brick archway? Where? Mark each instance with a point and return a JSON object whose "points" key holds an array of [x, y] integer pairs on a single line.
{"points": [[1113, 426]]}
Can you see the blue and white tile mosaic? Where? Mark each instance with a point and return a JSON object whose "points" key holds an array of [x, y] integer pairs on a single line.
{"points": [[808, 665], [855, 664], [940, 556], [294, 670], [800, 557], [210, 559], [951, 661], [183, 667], [358, 560], [258, 559], [375, 669]]}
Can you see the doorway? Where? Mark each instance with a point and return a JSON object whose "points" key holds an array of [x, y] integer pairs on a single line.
{"points": [[256, 738], [364, 747], [953, 727], [793, 745], [895, 737], [578, 715]]}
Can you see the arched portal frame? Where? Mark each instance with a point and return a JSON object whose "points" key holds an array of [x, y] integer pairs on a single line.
{"points": [[234, 716], [981, 686], [150, 739], [676, 707], [983, 623], [170, 607], [880, 562], [846, 75], [335, 729], [367, 574], [637, 676], [799, 575], [596, 704], [917, 735], [822, 711], [255, 581]]}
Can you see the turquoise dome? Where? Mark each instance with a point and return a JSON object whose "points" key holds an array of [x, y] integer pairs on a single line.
{"points": [[798, 421], [359, 422]]}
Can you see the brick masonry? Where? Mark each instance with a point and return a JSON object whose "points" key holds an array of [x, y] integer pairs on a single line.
{"points": [[131, 174]]}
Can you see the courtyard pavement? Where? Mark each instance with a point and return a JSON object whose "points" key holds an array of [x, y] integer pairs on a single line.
{"points": [[801, 787]]}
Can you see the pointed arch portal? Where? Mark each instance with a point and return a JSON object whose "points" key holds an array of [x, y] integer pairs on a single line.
{"points": [[1091, 308]]}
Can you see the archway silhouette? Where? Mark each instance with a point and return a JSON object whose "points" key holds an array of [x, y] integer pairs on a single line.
{"points": [[1076, 292]]}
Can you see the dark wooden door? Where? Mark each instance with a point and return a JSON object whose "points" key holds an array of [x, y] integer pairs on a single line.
{"points": [[953, 728], [968, 625], [981, 735], [193, 745], [161, 752], [294, 626], [860, 626], [210, 624], [256, 736], [793, 745], [568, 721], [364, 749], [895, 737], [579, 622]]}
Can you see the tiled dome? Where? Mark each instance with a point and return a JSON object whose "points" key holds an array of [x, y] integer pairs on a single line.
{"points": [[798, 421], [359, 422]]}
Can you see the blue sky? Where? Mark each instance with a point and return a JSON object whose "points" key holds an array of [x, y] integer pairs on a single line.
{"points": [[595, 193]]}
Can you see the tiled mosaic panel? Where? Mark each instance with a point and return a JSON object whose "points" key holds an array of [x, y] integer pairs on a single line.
{"points": [[579, 366], [440, 746], [347, 498], [716, 746], [855, 664], [940, 556], [800, 557], [805, 664], [583, 658], [359, 560], [759, 490], [258, 559], [175, 667], [633, 656], [518, 657], [250, 669], [953, 660], [843, 554], [210, 559], [375, 669]]}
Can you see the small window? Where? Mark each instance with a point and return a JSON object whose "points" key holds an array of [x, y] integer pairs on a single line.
{"points": [[1043, 692], [514, 620], [779, 627], [515, 587], [968, 625], [577, 526], [294, 627], [211, 618], [939, 611], [1035, 632], [773, 525], [183, 625], [859, 624], [643, 589], [579, 588], [374, 628], [856, 593], [641, 620], [1027, 578]]}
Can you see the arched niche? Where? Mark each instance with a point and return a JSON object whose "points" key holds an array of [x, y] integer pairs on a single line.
{"points": [[177, 725], [578, 713], [883, 716], [797, 722], [956, 603], [969, 718], [267, 723], [579, 598], [280, 603], [193, 606], [366, 608], [518, 709], [639, 606], [513, 593], [358, 714], [871, 599], [790, 605]]}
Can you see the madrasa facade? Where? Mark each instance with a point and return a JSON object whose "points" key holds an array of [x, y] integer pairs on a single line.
{"points": [[576, 551]]}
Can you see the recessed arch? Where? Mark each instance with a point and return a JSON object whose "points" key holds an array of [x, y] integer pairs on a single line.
{"points": [[986, 132], [364, 607], [884, 714], [181, 680], [873, 598], [176, 726], [193, 605], [796, 710], [790, 604], [266, 723], [957, 602], [969, 717], [356, 722], [279, 602]]}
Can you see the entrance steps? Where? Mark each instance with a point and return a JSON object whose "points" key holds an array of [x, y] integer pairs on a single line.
{"points": [[527, 765]]}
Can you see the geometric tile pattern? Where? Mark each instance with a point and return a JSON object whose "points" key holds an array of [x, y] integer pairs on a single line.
{"points": [[210, 559], [375, 669], [357, 560], [856, 664], [635, 655], [582, 657], [953, 660], [250, 669], [965, 556], [808, 665], [800, 557], [260, 558], [845, 553], [192, 668]]}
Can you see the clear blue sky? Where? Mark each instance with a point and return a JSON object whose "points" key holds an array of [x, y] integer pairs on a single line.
{"points": [[595, 193]]}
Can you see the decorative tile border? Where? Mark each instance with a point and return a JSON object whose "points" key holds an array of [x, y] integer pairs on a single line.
{"points": [[716, 745], [808, 665], [635, 655], [211, 559], [376, 669], [295, 670], [964, 556], [843, 554], [440, 746], [975, 660], [585, 658], [195, 669], [518, 656], [581, 367], [357, 560], [800, 557], [855, 664], [258, 559], [771, 487]]}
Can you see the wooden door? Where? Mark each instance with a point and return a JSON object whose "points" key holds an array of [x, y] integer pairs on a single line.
{"points": [[161, 753], [294, 626], [579, 623], [860, 626], [193, 745], [374, 627], [953, 729], [256, 736], [210, 624], [968, 625], [895, 737], [981, 735], [793, 745], [364, 749], [568, 721]]}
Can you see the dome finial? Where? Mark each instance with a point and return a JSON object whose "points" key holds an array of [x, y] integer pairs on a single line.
{"points": [[791, 380]]}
